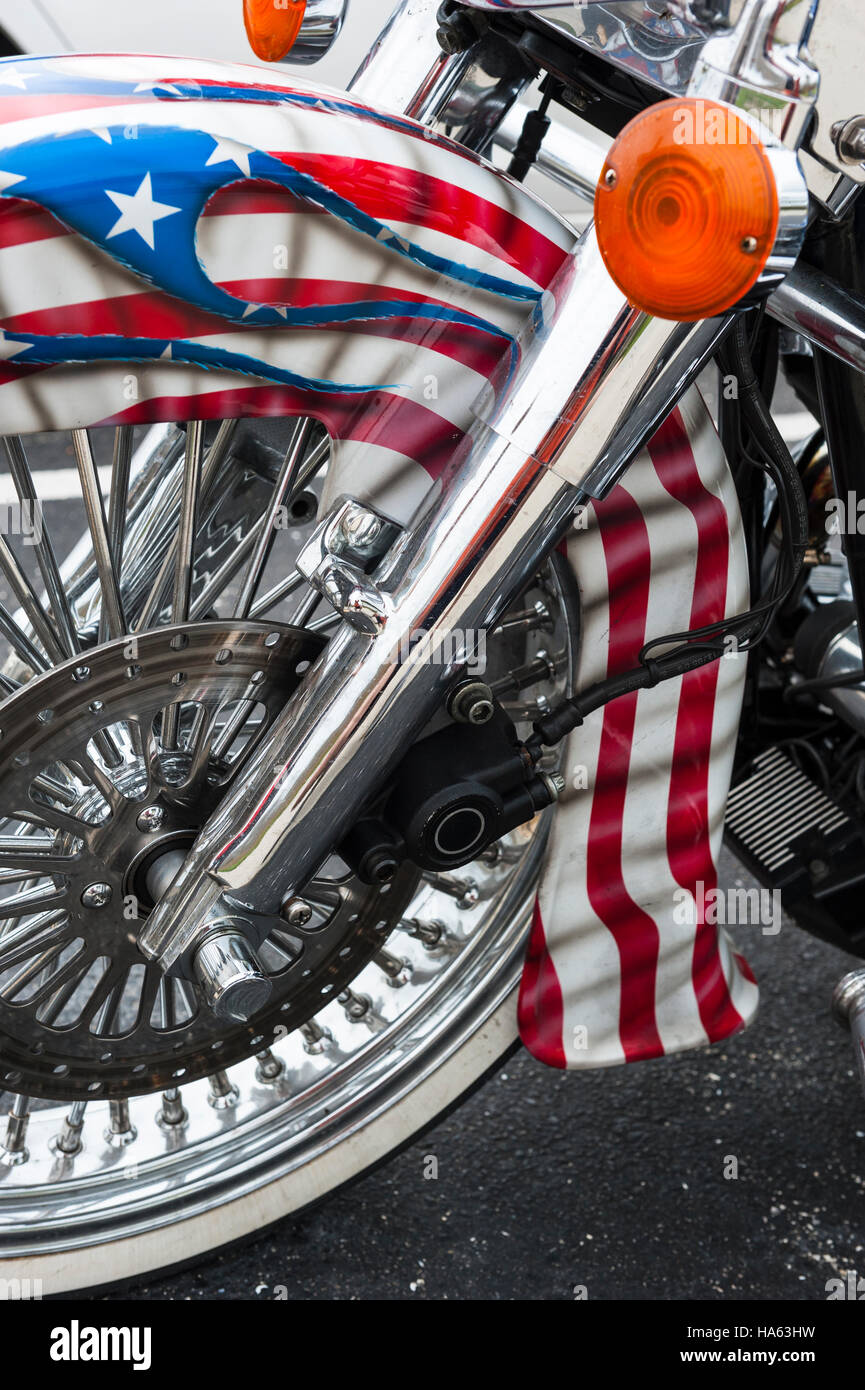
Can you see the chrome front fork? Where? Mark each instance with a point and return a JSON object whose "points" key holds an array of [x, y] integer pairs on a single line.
{"points": [[595, 378]]}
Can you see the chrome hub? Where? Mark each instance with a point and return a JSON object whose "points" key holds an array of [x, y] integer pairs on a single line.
{"points": [[104, 781]]}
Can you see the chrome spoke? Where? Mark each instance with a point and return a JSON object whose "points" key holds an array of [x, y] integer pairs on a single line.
{"points": [[283, 492], [119, 498], [26, 596], [215, 458], [284, 589], [45, 556], [185, 557], [112, 605], [20, 642]]}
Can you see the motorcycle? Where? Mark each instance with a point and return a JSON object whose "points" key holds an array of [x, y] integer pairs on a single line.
{"points": [[391, 708]]}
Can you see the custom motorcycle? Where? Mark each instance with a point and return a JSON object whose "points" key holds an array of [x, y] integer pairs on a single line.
{"points": [[428, 624]]}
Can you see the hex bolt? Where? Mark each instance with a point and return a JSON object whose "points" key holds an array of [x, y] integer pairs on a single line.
{"points": [[231, 977], [472, 703], [849, 137], [456, 35]]}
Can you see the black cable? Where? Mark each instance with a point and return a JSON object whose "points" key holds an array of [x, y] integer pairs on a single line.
{"points": [[701, 646]]}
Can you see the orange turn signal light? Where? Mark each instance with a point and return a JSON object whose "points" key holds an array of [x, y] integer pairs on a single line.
{"points": [[686, 210], [272, 26]]}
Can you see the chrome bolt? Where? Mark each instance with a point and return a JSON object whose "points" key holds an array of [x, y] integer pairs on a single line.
{"points": [[361, 530], [231, 977], [296, 912], [97, 895], [749, 245], [151, 819], [611, 178], [849, 137], [554, 783]]}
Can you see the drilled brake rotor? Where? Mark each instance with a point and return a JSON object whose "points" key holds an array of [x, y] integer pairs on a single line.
{"points": [[109, 765]]}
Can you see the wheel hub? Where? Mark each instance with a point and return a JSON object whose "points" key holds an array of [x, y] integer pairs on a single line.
{"points": [[107, 771]]}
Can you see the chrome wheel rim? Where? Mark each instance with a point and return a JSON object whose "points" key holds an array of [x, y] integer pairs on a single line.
{"points": [[449, 950]]}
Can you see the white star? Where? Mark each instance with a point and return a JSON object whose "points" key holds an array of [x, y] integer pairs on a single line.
{"points": [[168, 353], [9, 180], [229, 152], [140, 212], [12, 77], [9, 348], [252, 309], [103, 132], [158, 87]]}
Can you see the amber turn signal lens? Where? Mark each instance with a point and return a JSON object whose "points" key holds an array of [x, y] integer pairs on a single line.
{"points": [[272, 26], [686, 210]]}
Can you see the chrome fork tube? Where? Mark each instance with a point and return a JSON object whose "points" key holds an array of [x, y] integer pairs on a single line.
{"points": [[588, 363]]}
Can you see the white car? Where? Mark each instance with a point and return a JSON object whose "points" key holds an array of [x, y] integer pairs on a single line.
{"points": [[198, 28]]}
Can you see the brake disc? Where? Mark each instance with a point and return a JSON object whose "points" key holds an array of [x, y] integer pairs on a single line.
{"points": [[109, 765]]}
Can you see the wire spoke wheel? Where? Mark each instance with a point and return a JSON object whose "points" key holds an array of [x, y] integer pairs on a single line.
{"points": [[141, 672]]}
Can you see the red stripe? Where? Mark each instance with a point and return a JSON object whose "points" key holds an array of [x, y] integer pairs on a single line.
{"points": [[540, 1011], [391, 421], [389, 192], [688, 831], [24, 106], [628, 560], [152, 314]]}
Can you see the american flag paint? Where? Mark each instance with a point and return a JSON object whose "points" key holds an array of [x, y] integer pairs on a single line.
{"points": [[616, 971], [183, 239]]}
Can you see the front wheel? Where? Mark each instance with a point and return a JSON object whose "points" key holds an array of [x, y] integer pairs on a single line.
{"points": [[138, 1138]]}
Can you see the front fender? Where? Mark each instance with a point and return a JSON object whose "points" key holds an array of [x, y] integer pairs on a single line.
{"points": [[183, 239]]}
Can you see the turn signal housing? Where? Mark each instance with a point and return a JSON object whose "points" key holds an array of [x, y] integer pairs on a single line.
{"points": [[686, 210], [272, 29]]}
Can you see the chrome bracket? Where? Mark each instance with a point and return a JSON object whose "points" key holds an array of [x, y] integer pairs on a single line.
{"points": [[333, 563]]}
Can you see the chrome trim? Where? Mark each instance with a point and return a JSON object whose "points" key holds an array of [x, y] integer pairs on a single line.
{"points": [[319, 30], [824, 312]]}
